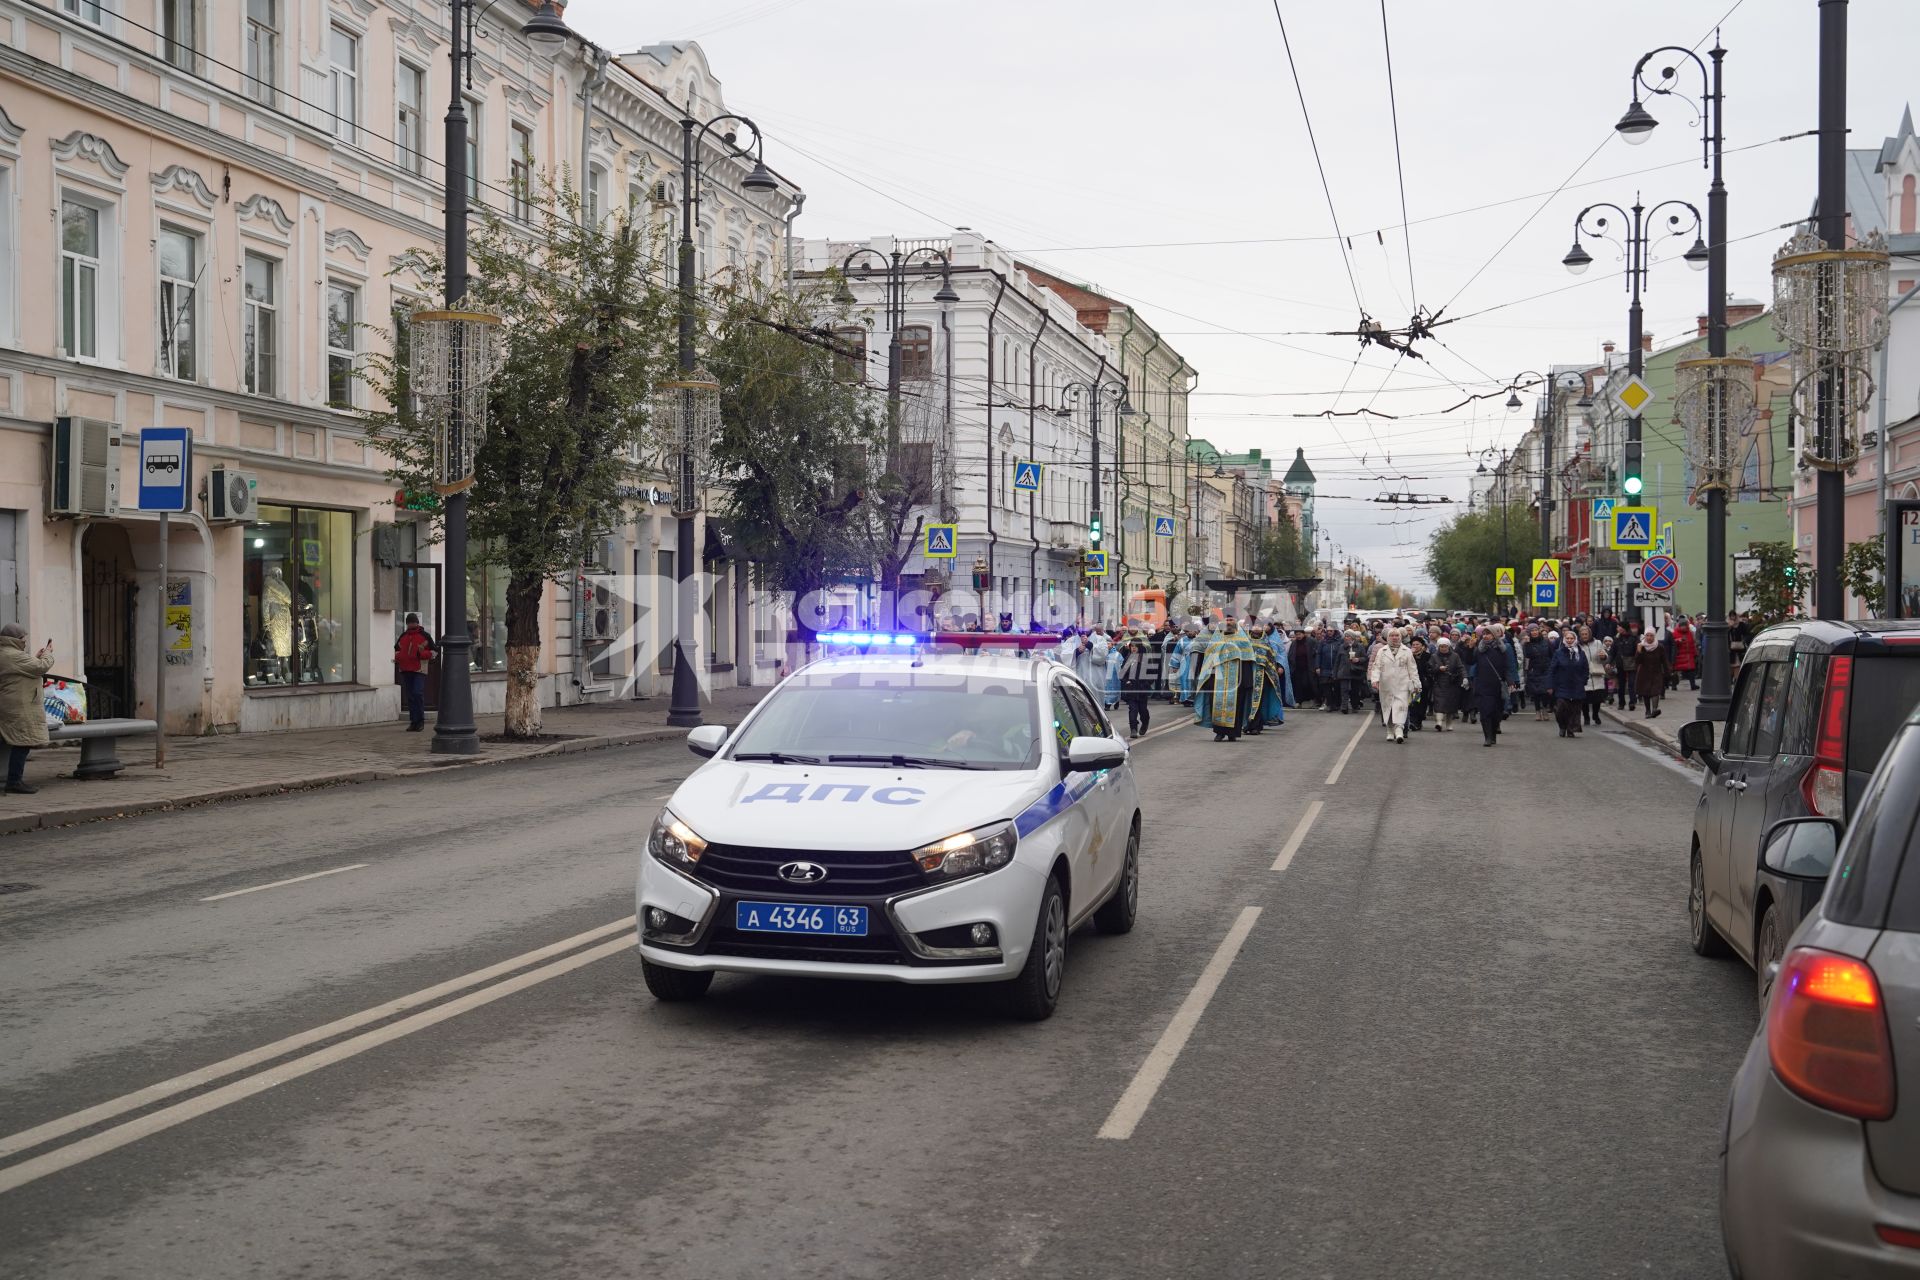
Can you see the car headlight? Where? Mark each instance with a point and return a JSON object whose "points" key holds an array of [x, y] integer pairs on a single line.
{"points": [[674, 842], [970, 852]]}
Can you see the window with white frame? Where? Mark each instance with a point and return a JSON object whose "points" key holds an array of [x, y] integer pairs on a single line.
{"points": [[263, 50], [473, 150], [343, 316], [87, 11], [343, 83], [636, 200], [703, 269], [520, 171], [409, 120], [179, 269], [83, 233], [596, 201], [260, 324], [180, 33]]}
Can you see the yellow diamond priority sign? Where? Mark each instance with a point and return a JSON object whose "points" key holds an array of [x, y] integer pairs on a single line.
{"points": [[1634, 395]]}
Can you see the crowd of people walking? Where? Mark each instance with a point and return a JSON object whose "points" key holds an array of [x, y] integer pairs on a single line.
{"points": [[1240, 677]]}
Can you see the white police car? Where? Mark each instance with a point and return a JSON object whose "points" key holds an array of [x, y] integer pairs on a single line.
{"points": [[902, 812]]}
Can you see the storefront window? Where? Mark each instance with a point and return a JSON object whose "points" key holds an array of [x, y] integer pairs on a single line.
{"points": [[487, 611], [298, 611]]}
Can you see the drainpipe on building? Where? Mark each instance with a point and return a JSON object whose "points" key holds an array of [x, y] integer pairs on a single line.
{"points": [[993, 539], [793, 211], [597, 59], [1146, 367], [1033, 508]]}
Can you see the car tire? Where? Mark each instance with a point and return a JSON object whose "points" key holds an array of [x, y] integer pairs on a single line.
{"points": [[1035, 993], [1706, 941], [1769, 945], [1117, 913], [675, 986]]}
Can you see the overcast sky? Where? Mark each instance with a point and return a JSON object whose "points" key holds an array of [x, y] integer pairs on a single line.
{"points": [[1064, 128]]}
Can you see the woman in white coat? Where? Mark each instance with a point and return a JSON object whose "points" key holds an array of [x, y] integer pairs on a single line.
{"points": [[1396, 678]]}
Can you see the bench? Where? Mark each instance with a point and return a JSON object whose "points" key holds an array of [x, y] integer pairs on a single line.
{"points": [[98, 740]]}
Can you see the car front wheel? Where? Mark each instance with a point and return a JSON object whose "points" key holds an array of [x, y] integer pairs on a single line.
{"points": [[1035, 993], [1700, 931], [675, 986]]}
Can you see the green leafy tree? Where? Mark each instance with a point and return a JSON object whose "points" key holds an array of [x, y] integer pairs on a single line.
{"points": [[1282, 554], [799, 442], [588, 330], [1467, 549], [1775, 584], [1863, 567]]}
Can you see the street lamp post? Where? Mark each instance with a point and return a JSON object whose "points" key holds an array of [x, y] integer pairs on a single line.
{"points": [[1638, 247], [684, 711], [1091, 393], [1636, 126], [893, 272]]}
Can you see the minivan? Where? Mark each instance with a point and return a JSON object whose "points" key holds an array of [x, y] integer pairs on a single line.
{"points": [[1813, 710]]}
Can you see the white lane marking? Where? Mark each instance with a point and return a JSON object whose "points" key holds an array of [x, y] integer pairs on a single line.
{"points": [[1134, 1102], [180, 1112], [1341, 763], [1151, 734], [1299, 835], [235, 893], [44, 1133]]}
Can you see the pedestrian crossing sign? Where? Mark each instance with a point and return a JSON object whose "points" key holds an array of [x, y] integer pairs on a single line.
{"points": [[1546, 595], [1096, 564], [1633, 528], [1665, 545], [1602, 511], [1503, 582], [1547, 571], [1026, 476], [1163, 526], [940, 542]]}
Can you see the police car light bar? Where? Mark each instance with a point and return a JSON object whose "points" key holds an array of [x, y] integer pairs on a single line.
{"points": [[871, 638]]}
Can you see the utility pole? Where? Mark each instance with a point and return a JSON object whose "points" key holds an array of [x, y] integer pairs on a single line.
{"points": [[1830, 484]]}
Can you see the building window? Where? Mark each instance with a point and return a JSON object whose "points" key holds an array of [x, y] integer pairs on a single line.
{"points": [[179, 303], [916, 351], [409, 123], [343, 315], [703, 270], [263, 50], [636, 197], [487, 609], [259, 324], [180, 34], [596, 201], [87, 11], [298, 601], [473, 150], [520, 172], [850, 361], [80, 278], [343, 84]]}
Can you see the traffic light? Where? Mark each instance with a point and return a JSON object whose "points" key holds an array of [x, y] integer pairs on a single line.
{"points": [[1631, 484], [1093, 531]]}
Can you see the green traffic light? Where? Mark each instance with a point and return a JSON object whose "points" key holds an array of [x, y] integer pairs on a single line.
{"points": [[1633, 485]]}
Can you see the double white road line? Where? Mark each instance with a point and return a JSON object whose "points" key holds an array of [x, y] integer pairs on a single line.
{"points": [[611, 940]]}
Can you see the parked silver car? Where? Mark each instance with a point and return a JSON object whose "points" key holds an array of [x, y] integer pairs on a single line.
{"points": [[1820, 1163]]}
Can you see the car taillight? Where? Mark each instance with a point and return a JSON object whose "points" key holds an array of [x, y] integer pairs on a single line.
{"points": [[1825, 785], [1827, 1034]]}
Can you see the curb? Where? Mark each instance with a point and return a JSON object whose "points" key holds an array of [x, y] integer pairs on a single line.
{"points": [[1643, 730], [13, 824]]}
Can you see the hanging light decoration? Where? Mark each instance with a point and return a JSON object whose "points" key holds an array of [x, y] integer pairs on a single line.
{"points": [[1713, 403], [1836, 388], [1831, 299], [452, 356], [686, 414]]}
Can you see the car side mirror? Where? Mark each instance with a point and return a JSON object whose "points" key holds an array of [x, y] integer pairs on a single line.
{"points": [[1088, 755], [1802, 848], [1696, 739], [707, 740]]}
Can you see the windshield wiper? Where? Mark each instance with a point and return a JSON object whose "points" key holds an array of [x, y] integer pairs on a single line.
{"points": [[906, 762], [776, 757]]}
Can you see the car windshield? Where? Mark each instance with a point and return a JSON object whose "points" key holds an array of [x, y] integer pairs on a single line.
{"points": [[898, 720]]}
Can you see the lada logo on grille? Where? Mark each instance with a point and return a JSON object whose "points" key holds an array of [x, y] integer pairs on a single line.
{"points": [[803, 872]]}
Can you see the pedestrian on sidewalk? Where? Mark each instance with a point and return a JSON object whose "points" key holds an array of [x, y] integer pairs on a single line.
{"points": [[1449, 684], [1302, 661], [1396, 682], [1470, 660], [23, 715], [1538, 653], [1686, 654], [1491, 675], [1139, 674], [1625, 645], [411, 654], [1650, 672], [1598, 655], [1423, 696], [1567, 674]]}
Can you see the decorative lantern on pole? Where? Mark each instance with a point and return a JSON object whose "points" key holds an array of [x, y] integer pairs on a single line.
{"points": [[689, 407], [453, 355], [1831, 306], [1713, 402]]}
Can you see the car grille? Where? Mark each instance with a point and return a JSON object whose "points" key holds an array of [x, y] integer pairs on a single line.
{"points": [[748, 870]]}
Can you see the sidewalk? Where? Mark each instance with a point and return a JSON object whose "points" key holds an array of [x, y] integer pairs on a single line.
{"points": [[233, 766], [1675, 710]]}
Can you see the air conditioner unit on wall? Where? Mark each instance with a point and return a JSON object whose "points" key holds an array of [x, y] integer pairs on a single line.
{"points": [[85, 466], [598, 613], [232, 494]]}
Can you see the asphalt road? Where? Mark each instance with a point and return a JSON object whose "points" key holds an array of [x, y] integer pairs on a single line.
{"points": [[1461, 1036]]}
